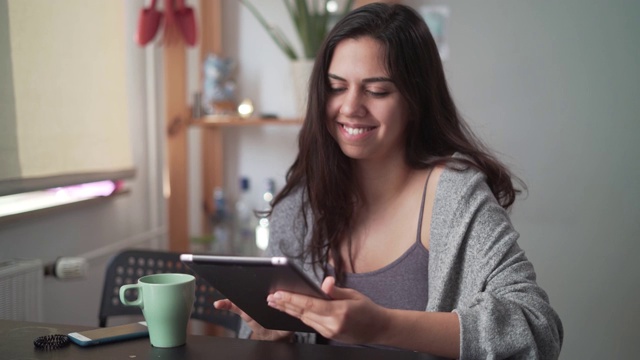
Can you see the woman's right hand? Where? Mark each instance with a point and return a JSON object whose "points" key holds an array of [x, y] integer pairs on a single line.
{"points": [[258, 332]]}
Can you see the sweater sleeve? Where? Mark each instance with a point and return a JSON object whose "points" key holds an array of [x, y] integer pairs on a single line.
{"points": [[503, 312]]}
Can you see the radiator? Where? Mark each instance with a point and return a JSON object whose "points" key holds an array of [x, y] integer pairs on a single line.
{"points": [[21, 283]]}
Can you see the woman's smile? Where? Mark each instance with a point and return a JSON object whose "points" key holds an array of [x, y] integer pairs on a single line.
{"points": [[355, 132]]}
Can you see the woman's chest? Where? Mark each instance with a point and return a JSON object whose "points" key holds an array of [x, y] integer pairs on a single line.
{"points": [[382, 239]]}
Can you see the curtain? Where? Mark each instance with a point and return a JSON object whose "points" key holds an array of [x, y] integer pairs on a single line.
{"points": [[63, 104]]}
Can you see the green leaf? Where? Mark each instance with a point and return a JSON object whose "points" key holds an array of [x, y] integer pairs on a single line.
{"points": [[310, 19], [276, 34]]}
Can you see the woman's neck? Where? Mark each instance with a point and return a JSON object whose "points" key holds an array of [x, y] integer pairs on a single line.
{"points": [[379, 183]]}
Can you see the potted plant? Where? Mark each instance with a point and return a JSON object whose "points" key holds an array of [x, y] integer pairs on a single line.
{"points": [[311, 20]]}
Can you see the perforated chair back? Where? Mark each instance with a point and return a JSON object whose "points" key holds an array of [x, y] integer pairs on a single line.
{"points": [[129, 265]]}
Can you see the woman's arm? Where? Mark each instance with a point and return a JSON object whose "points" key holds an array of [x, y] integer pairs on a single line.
{"points": [[352, 318], [477, 270], [436, 333]]}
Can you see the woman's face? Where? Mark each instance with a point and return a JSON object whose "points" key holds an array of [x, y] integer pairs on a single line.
{"points": [[366, 113]]}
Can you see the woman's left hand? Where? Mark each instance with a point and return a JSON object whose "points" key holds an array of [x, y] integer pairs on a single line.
{"points": [[350, 317]]}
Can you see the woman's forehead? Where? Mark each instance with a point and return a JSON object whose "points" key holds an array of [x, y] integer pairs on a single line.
{"points": [[363, 56]]}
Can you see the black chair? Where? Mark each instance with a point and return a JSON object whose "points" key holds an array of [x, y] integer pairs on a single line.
{"points": [[129, 265]]}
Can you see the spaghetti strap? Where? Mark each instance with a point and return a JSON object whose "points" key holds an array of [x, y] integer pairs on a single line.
{"points": [[424, 195]]}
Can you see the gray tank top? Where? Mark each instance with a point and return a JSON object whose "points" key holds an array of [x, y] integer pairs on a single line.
{"points": [[403, 284]]}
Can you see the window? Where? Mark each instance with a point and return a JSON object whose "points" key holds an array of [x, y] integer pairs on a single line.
{"points": [[63, 94]]}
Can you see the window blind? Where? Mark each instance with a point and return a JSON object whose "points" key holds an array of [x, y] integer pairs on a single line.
{"points": [[63, 108]]}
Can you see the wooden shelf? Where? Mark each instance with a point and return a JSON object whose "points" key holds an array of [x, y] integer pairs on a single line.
{"points": [[212, 153], [236, 121], [177, 113]]}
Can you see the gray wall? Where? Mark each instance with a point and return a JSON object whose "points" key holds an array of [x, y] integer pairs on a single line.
{"points": [[553, 87]]}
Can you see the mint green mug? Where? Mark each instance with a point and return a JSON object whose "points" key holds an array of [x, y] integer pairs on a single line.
{"points": [[166, 301]]}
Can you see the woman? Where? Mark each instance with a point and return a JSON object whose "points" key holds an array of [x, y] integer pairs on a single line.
{"points": [[400, 209]]}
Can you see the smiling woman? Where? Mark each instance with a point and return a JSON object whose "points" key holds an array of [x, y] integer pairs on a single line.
{"points": [[399, 211], [63, 113]]}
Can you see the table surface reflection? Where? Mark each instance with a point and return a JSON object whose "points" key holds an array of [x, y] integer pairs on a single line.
{"points": [[16, 342]]}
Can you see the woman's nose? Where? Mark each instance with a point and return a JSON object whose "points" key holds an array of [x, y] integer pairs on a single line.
{"points": [[352, 105]]}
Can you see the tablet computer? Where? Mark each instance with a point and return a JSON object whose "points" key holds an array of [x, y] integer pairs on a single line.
{"points": [[247, 281]]}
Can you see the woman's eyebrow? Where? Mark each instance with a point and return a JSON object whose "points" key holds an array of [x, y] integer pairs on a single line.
{"points": [[367, 80]]}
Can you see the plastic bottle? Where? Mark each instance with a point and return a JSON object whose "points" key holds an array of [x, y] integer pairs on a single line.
{"points": [[221, 231], [262, 230], [245, 222]]}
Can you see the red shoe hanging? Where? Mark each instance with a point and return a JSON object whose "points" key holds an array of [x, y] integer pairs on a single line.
{"points": [[148, 24]]}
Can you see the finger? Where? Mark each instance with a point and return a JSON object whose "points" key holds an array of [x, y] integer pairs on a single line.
{"points": [[223, 304], [328, 284], [256, 329], [321, 323], [297, 305], [226, 304], [335, 292]]}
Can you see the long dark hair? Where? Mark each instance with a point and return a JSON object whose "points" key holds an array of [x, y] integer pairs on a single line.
{"points": [[434, 132]]}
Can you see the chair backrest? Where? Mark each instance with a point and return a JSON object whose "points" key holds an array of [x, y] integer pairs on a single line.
{"points": [[129, 265]]}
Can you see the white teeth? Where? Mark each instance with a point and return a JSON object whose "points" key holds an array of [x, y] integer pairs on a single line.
{"points": [[355, 131]]}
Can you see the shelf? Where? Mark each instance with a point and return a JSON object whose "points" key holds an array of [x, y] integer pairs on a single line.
{"points": [[234, 121], [212, 128]]}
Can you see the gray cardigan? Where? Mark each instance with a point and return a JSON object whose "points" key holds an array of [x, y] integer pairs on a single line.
{"points": [[476, 269]]}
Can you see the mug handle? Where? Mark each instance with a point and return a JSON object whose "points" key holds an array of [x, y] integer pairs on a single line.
{"points": [[136, 302]]}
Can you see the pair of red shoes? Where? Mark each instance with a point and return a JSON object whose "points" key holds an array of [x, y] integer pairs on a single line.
{"points": [[178, 15]]}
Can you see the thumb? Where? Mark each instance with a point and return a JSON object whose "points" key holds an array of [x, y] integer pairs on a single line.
{"points": [[337, 293]]}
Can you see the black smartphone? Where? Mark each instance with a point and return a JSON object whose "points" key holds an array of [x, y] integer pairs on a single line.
{"points": [[110, 334]]}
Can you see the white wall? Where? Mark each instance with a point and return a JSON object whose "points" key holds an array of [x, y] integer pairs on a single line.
{"points": [[551, 85], [99, 230]]}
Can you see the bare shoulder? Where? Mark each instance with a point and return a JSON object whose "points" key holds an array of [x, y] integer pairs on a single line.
{"points": [[435, 175]]}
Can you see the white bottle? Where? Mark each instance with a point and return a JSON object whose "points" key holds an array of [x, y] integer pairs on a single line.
{"points": [[245, 222], [262, 230], [220, 221]]}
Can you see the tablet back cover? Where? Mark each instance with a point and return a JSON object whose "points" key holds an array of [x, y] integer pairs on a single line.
{"points": [[248, 283]]}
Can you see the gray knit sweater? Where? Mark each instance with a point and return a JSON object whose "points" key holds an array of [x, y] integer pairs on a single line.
{"points": [[476, 269]]}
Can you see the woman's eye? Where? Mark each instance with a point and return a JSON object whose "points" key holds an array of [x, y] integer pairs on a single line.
{"points": [[377, 93], [336, 89]]}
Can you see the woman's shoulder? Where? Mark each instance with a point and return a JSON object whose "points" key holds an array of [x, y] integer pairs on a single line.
{"points": [[290, 203], [459, 177], [461, 189], [289, 210], [463, 200], [287, 225]]}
